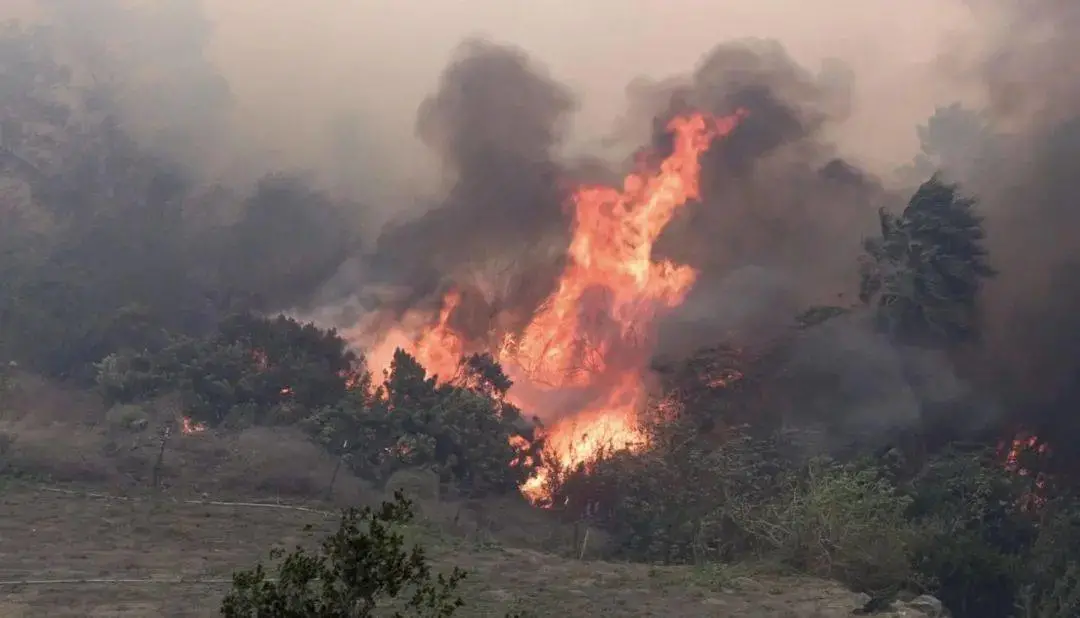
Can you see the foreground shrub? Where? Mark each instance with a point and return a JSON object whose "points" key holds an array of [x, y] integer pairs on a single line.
{"points": [[846, 522], [362, 567], [974, 532], [1059, 599], [1051, 587], [671, 505]]}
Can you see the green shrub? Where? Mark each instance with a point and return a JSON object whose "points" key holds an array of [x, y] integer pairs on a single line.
{"points": [[132, 417], [253, 369], [362, 567], [1061, 599], [974, 535], [461, 433], [1052, 582], [845, 522], [671, 504]]}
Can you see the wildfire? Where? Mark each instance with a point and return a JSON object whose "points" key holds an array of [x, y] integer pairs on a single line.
{"points": [[580, 363], [188, 426], [1024, 444]]}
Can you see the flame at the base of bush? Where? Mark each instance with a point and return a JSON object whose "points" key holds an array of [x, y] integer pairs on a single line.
{"points": [[589, 343], [1025, 449], [189, 426]]}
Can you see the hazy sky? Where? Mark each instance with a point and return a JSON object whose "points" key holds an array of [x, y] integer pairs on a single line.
{"points": [[292, 67]]}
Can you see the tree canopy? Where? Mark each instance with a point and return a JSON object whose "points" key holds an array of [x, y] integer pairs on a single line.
{"points": [[923, 273]]}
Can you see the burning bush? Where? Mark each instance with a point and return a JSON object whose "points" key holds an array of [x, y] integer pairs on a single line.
{"points": [[985, 546], [463, 430]]}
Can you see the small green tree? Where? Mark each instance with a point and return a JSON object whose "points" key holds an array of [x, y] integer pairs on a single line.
{"points": [[362, 567], [464, 430], [923, 274], [278, 368]]}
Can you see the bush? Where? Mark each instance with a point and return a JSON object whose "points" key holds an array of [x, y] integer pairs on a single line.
{"points": [[363, 566], [263, 369], [846, 522], [130, 417], [1052, 584], [464, 434], [973, 533], [671, 504], [1061, 599]]}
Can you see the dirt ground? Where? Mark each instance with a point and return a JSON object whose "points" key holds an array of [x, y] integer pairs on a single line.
{"points": [[83, 533], [171, 558]]}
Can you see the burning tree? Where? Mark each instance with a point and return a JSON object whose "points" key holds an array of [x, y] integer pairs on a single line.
{"points": [[464, 430], [581, 360]]}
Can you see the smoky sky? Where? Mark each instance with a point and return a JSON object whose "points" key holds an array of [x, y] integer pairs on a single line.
{"points": [[1029, 196], [495, 122], [452, 129], [777, 189]]}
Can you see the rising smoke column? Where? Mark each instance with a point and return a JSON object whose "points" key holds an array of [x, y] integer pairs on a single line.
{"points": [[776, 194], [495, 121], [1028, 193]]}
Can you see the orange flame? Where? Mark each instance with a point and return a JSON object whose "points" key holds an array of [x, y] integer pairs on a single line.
{"points": [[437, 348], [188, 426], [1028, 443], [580, 363]]}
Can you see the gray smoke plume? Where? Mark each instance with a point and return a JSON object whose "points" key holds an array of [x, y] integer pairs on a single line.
{"points": [[775, 191], [495, 122], [1028, 189]]}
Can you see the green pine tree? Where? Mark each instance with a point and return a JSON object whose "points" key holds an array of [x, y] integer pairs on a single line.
{"points": [[923, 274]]}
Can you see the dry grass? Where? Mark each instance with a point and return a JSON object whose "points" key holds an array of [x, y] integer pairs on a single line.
{"points": [[517, 556], [51, 535]]}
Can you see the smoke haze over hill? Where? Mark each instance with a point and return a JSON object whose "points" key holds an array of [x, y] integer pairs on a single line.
{"points": [[448, 137]]}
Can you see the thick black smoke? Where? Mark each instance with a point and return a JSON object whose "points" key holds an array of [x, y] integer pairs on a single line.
{"points": [[496, 122], [774, 192], [1029, 192]]}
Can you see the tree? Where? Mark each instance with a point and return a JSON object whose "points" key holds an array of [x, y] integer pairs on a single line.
{"points": [[103, 224], [463, 430], [357, 570], [923, 274], [252, 366]]}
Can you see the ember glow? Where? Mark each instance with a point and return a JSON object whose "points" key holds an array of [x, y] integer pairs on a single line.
{"points": [[188, 426], [1025, 446], [580, 364]]}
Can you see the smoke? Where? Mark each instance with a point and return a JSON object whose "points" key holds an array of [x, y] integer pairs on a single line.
{"points": [[495, 122], [1028, 189], [776, 190], [452, 161]]}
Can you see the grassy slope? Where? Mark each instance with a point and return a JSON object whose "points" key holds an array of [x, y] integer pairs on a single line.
{"points": [[520, 558], [51, 535]]}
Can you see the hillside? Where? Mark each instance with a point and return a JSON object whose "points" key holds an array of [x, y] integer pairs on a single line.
{"points": [[84, 533], [119, 546]]}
